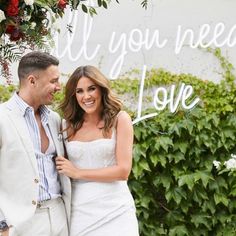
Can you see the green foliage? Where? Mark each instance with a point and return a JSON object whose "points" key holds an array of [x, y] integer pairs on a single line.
{"points": [[173, 181], [176, 188], [6, 92]]}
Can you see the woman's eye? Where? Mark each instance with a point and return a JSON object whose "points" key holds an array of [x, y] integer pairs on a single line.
{"points": [[79, 91], [92, 88]]}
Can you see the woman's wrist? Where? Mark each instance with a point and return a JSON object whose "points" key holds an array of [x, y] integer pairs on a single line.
{"points": [[78, 174]]}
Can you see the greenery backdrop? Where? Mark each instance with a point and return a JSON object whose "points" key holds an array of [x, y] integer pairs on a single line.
{"points": [[177, 189]]}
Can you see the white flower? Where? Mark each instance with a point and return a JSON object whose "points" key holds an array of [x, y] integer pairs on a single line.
{"points": [[29, 2], [32, 25], [216, 164], [230, 164], [2, 16], [26, 17], [233, 156]]}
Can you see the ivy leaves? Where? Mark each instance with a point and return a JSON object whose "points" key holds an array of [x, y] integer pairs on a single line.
{"points": [[173, 156], [173, 161], [175, 173]]}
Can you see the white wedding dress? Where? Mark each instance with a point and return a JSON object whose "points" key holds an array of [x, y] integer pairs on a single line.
{"points": [[98, 208]]}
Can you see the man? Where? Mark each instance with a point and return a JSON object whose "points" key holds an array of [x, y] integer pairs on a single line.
{"points": [[32, 194]]}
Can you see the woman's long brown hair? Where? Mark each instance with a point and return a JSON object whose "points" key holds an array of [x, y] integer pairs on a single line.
{"points": [[71, 110]]}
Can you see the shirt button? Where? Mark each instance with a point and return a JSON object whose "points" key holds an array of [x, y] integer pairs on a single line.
{"points": [[34, 202], [36, 181]]}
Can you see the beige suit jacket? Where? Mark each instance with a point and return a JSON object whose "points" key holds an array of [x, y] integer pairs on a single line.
{"points": [[18, 167]]}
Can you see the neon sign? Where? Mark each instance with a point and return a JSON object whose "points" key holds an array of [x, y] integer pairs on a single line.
{"points": [[170, 100]]}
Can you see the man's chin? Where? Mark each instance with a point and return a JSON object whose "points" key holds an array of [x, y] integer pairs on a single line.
{"points": [[49, 103]]}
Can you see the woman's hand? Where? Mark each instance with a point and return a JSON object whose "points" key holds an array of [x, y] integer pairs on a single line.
{"points": [[64, 166]]}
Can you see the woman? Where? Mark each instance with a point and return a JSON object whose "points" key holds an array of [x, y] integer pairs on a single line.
{"points": [[98, 139]]}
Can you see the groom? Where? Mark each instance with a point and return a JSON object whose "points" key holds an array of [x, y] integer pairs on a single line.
{"points": [[34, 199]]}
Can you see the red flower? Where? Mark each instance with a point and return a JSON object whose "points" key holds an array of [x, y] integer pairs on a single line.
{"points": [[14, 32], [12, 9], [62, 4], [10, 29]]}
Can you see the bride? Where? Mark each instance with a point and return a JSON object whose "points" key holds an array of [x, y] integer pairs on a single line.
{"points": [[98, 138]]}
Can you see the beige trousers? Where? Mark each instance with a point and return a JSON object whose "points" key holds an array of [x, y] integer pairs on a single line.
{"points": [[48, 220]]}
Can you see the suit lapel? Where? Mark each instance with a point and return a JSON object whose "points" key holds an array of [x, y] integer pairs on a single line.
{"points": [[19, 123], [64, 180], [55, 135]]}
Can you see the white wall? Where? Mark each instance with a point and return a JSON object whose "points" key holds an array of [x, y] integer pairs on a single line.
{"points": [[162, 15]]}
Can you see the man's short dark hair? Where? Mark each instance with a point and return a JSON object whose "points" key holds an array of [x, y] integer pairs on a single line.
{"points": [[34, 61]]}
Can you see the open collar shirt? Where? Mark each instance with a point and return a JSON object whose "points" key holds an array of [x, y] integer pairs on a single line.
{"points": [[49, 185]]}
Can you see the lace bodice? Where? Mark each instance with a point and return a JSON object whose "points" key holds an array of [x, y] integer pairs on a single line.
{"points": [[98, 153]]}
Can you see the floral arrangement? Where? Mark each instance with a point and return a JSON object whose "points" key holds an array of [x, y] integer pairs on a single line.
{"points": [[23, 18], [27, 24], [227, 166]]}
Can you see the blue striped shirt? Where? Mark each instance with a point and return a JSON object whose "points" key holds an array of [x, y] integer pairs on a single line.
{"points": [[49, 185]]}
